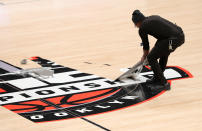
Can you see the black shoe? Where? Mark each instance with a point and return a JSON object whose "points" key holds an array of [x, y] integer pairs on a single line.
{"points": [[167, 86], [153, 80], [158, 86]]}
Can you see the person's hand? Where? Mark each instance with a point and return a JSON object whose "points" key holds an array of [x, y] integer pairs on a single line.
{"points": [[145, 54], [143, 58]]}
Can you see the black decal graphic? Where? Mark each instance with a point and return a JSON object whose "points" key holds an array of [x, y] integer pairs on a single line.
{"points": [[71, 92]]}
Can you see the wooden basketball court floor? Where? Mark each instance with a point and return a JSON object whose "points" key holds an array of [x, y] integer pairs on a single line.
{"points": [[72, 32]]}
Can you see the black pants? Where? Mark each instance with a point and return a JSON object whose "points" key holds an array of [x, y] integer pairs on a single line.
{"points": [[161, 52]]}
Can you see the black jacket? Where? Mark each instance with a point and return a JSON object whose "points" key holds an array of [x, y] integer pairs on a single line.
{"points": [[157, 27]]}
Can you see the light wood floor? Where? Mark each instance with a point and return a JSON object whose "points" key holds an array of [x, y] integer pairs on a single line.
{"points": [[72, 32]]}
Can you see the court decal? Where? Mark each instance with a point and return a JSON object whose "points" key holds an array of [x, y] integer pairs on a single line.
{"points": [[71, 93]]}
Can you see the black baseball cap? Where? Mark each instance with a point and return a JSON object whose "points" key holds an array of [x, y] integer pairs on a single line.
{"points": [[137, 16]]}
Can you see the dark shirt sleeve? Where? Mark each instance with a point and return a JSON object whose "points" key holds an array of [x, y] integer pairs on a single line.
{"points": [[144, 37]]}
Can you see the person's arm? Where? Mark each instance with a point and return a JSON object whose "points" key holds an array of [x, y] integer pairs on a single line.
{"points": [[144, 56], [145, 43]]}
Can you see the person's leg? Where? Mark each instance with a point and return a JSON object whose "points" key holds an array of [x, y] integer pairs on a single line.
{"points": [[160, 50], [163, 62]]}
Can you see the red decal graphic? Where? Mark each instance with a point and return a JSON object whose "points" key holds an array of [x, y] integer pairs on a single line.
{"points": [[29, 106], [2, 90]]}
